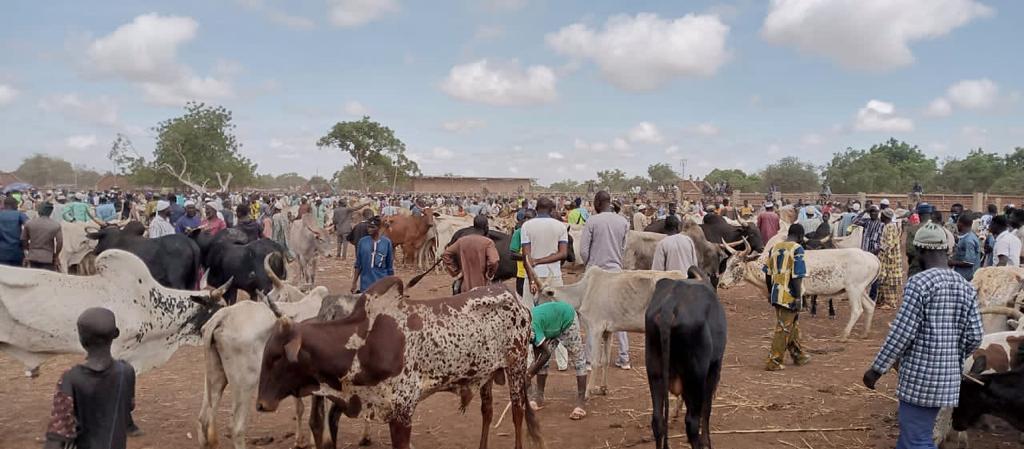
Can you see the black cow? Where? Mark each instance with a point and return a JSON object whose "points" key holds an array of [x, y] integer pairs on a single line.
{"points": [[506, 266], [173, 260], [685, 333], [716, 228], [227, 255], [1002, 395]]}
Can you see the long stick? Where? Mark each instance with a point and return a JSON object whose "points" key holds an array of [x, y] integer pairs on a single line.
{"points": [[416, 280], [503, 413], [826, 429]]}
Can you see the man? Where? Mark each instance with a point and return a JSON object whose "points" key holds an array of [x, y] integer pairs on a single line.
{"points": [[1006, 250], [106, 211], [177, 210], [546, 241], [556, 323], [214, 223], [77, 210], [784, 275], [521, 212], [189, 220], [58, 207], [601, 244], [727, 210], [890, 276], [93, 401], [640, 219], [578, 215], [954, 215], [516, 247], [279, 225], [374, 258], [43, 240], [250, 227], [321, 213], [473, 257], [768, 222], [846, 219], [986, 220], [872, 230], [342, 218], [675, 252], [967, 257], [161, 223], [935, 329], [884, 204], [746, 211], [11, 222], [361, 229], [227, 211]]}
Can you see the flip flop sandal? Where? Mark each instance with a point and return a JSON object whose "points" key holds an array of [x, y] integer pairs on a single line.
{"points": [[577, 414]]}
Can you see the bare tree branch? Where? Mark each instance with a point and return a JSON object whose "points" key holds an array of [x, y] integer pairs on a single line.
{"points": [[183, 175]]}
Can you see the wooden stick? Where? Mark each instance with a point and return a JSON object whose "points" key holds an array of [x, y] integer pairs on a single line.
{"points": [[824, 429], [504, 412], [877, 392], [787, 443]]}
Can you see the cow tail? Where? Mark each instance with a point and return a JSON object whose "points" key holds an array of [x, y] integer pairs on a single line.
{"points": [[665, 335], [532, 423]]}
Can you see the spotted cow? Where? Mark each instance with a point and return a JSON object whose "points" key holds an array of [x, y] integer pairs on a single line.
{"points": [[390, 353]]}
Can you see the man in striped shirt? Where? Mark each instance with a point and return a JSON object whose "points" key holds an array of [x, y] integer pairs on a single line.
{"points": [[935, 329]]}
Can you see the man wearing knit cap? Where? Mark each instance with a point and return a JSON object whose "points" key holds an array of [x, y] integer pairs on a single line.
{"points": [[161, 224], [935, 329]]}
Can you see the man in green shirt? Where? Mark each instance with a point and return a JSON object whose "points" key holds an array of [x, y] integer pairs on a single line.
{"points": [[578, 215], [516, 246], [553, 323], [76, 210]]}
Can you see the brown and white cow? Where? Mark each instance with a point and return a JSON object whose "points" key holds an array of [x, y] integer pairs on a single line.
{"points": [[390, 353], [409, 232]]}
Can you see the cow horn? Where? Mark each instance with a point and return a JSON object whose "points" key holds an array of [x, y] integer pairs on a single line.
{"points": [[728, 249], [733, 244], [974, 379], [1000, 310], [218, 293], [273, 306], [278, 283]]}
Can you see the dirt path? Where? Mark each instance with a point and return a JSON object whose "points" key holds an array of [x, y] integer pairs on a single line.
{"points": [[824, 394]]}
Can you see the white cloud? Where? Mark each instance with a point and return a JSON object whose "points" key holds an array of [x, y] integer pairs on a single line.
{"points": [[101, 111], [353, 13], [278, 16], [7, 94], [620, 144], [706, 129], [355, 108], [441, 153], [81, 142], [973, 94], [597, 147], [866, 34], [939, 107], [458, 126], [554, 155], [645, 132], [145, 52], [812, 139], [645, 52], [881, 116], [501, 84]]}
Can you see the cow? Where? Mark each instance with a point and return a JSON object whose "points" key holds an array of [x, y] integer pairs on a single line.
{"points": [[303, 240], [76, 254], [715, 229], [233, 340], [39, 309], [608, 301], [409, 233], [830, 272], [685, 332], [640, 246], [229, 255], [506, 266], [998, 287], [173, 260], [390, 353]]}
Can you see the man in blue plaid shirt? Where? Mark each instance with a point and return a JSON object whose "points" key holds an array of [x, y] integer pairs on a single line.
{"points": [[936, 328]]}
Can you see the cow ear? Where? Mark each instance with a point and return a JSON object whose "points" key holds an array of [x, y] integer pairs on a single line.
{"points": [[980, 364], [291, 349], [94, 235]]}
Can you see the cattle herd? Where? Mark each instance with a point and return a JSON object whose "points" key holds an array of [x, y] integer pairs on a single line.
{"points": [[376, 355]]}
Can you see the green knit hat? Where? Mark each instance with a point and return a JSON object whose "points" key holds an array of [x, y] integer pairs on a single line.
{"points": [[931, 236]]}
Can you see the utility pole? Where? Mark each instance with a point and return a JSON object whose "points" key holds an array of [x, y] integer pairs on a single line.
{"points": [[682, 168]]}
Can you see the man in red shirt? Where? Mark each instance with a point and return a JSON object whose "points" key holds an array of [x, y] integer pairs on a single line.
{"points": [[473, 257], [768, 221]]}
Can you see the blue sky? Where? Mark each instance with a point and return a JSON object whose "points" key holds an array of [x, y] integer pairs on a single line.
{"points": [[540, 88]]}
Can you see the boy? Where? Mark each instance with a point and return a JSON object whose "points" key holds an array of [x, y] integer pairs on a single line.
{"points": [[93, 400], [553, 323]]}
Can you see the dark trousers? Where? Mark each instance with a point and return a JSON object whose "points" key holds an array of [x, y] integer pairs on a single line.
{"points": [[12, 262], [520, 283]]}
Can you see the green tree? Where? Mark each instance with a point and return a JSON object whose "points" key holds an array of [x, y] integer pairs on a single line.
{"points": [[289, 181], [662, 174], [200, 146], [319, 184], [792, 175], [737, 179], [975, 173], [637, 181], [892, 166], [566, 185], [41, 170], [613, 180], [86, 177], [131, 164], [378, 157]]}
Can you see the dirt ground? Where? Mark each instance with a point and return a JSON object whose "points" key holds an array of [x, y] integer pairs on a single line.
{"points": [[823, 395]]}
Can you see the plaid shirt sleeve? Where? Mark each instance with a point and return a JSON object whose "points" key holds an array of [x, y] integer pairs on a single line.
{"points": [[904, 329], [970, 339]]}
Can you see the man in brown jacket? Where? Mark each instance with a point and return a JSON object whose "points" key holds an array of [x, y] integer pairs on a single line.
{"points": [[474, 257]]}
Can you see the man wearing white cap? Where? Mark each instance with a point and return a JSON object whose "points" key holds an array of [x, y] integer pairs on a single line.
{"points": [[768, 221], [188, 221], [161, 224], [884, 204], [640, 220]]}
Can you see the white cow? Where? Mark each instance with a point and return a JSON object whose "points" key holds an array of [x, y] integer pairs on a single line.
{"points": [[39, 309], [303, 239], [999, 287], [830, 273], [607, 302], [76, 247]]}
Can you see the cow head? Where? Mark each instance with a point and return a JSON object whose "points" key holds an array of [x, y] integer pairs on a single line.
{"points": [[737, 268], [285, 370], [997, 394], [106, 238]]}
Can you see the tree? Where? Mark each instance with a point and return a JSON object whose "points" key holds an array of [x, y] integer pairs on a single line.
{"points": [[737, 179], [86, 177], [614, 180], [131, 164], [289, 181], [41, 170], [378, 157], [566, 185], [892, 166], [319, 184], [791, 175], [975, 173], [662, 174], [200, 146]]}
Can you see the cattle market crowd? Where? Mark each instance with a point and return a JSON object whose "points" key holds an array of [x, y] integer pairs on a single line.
{"points": [[650, 264]]}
